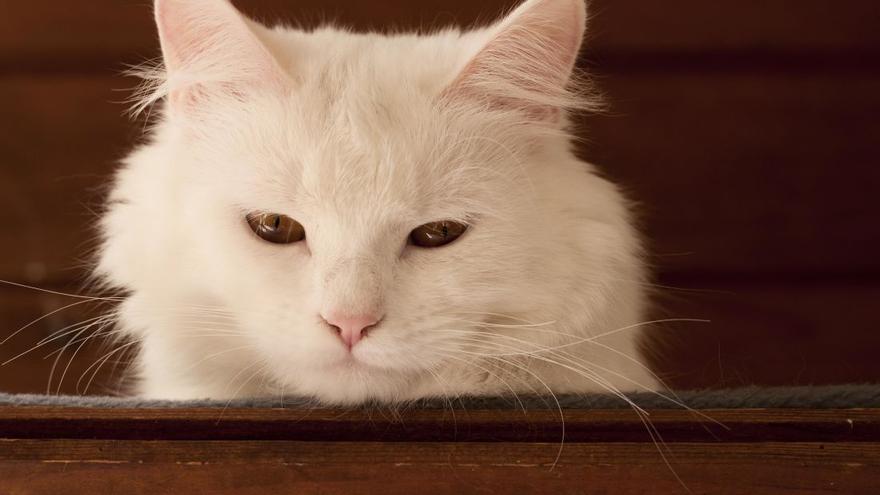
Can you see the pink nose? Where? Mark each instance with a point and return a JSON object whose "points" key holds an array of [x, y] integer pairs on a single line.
{"points": [[351, 329]]}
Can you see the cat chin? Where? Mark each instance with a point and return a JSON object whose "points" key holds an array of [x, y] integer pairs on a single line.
{"points": [[345, 379], [349, 384]]}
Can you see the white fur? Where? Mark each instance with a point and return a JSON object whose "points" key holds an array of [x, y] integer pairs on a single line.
{"points": [[362, 138]]}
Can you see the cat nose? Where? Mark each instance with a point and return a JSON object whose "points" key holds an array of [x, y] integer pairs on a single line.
{"points": [[351, 329]]}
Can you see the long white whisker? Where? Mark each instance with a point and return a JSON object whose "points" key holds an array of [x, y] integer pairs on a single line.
{"points": [[100, 362], [41, 318], [57, 293]]}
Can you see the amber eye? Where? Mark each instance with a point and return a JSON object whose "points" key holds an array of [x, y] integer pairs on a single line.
{"points": [[436, 234], [277, 229]]}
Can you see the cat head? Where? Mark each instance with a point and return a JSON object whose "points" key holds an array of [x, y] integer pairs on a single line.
{"points": [[360, 208]]}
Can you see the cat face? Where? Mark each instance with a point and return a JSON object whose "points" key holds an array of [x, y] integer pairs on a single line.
{"points": [[358, 193], [347, 144]]}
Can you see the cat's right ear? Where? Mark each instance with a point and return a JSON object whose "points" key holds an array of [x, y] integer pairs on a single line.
{"points": [[526, 65], [211, 51]]}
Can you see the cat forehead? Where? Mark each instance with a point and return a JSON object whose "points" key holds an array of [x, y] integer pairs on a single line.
{"points": [[360, 126], [351, 158], [374, 175], [350, 172], [333, 57]]}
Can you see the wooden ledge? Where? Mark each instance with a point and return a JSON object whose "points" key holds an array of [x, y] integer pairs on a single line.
{"points": [[719, 425], [47, 451]]}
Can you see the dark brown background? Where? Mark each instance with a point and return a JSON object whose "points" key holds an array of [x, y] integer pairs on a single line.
{"points": [[748, 131]]}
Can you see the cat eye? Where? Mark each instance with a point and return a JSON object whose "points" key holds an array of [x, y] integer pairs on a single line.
{"points": [[436, 234], [275, 228]]}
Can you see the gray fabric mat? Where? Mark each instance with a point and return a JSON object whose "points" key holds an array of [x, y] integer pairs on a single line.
{"points": [[819, 397]]}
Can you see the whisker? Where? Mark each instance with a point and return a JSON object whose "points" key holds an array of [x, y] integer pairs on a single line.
{"points": [[58, 293], [238, 390], [58, 359], [41, 318], [218, 354], [574, 362], [516, 396], [102, 360], [76, 330]]}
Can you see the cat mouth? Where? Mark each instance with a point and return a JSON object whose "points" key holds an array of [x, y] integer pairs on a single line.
{"points": [[349, 362]]}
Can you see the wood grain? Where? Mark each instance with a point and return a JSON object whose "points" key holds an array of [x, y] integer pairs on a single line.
{"points": [[59, 150], [331, 451], [733, 172], [42, 467], [443, 425]]}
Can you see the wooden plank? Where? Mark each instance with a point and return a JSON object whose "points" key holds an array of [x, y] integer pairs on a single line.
{"points": [[59, 149], [43, 467], [798, 334], [747, 172], [730, 33], [441, 425], [45, 35]]}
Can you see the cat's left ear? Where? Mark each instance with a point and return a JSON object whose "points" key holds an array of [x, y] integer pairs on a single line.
{"points": [[211, 51], [527, 62]]}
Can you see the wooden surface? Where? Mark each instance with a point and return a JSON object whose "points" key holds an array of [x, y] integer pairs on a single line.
{"points": [[446, 425], [747, 132], [88, 467], [283, 451]]}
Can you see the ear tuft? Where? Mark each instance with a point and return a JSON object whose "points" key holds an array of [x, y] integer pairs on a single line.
{"points": [[209, 49], [527, 63]]}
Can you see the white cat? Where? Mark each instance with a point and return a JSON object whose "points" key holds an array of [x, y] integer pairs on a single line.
{"points": [[361, 217]]}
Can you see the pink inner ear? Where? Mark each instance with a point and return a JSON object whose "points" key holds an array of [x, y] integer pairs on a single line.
{"points": [[528, 63], [184, 40], [208, 41]]}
